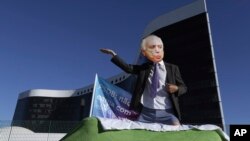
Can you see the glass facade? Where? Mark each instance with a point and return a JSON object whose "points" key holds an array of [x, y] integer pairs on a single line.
{"points": [[51, 110], [187, 44]]}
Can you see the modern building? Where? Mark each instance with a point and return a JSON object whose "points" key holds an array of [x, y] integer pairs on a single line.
{"points": [[187, 36], [40, 109], [188, 43]]}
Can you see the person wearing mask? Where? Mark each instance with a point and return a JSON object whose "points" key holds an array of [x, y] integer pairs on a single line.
{"points": [[158, 85]]}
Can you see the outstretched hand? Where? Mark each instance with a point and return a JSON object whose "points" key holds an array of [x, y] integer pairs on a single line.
{"points": [[108, 51]]}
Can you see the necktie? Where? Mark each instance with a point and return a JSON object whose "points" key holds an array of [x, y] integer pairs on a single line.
{"points": [[155, 80]]}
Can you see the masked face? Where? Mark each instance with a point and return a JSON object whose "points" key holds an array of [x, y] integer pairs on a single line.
{"points": [[153, 49]]}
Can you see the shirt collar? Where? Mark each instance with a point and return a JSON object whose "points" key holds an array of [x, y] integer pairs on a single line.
{"points": [[152, 63], [161, 62]]}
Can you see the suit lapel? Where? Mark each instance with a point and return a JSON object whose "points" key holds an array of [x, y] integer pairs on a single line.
{"points": [[147, 72], [169, 73]]}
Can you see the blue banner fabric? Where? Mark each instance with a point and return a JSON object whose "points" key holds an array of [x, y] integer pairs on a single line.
{"points": [[111, 101]]}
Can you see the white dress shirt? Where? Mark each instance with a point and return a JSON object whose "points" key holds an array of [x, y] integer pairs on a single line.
{"points": [[161, 101]]}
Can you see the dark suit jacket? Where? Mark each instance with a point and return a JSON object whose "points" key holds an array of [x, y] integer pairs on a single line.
{"points": [[173, 77]]}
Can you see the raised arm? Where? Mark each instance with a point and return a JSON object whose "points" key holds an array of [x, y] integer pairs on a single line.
{"points": [[120, 63]]}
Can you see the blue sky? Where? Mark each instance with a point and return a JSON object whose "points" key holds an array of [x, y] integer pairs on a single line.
{"points": [[55, 45]]}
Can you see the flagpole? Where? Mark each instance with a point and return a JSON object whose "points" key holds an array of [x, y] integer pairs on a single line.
{"points": [[93, 96]]}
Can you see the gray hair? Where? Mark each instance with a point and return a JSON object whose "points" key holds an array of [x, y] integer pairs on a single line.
{"points": [[144, 40]]}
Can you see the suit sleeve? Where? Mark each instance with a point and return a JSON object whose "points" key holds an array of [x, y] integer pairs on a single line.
{"points": [[180, 83], [128, 68]]}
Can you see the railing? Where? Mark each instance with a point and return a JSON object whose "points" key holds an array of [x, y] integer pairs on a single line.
{"points": [[35, 130]]}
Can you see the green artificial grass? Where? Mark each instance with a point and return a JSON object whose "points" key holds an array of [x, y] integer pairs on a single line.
{"points": [[90, 130]]}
